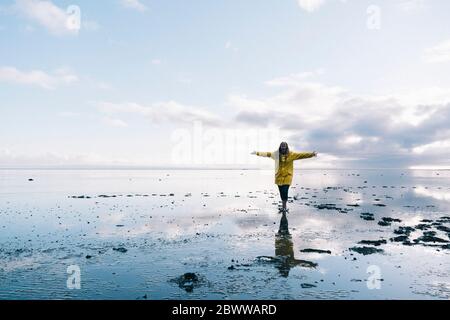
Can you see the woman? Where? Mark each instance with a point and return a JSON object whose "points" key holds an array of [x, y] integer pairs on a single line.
{"points": [[284, 167]]}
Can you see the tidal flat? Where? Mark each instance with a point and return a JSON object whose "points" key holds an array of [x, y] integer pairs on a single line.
{"points": [[217, 234]]}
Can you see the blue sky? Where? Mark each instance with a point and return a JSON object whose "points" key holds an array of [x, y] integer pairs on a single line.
{"points": [[365, 83]]}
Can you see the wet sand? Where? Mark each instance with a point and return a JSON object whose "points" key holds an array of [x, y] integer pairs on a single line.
{"points": [[218, 234]]}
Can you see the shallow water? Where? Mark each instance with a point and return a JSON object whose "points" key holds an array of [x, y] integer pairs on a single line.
{"points": [[224, 226]]}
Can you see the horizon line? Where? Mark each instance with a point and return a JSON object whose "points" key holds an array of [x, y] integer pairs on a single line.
{"points": [[207, 168]]}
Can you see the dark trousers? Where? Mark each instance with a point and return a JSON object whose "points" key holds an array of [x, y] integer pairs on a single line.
{"points": [[284, 189]]}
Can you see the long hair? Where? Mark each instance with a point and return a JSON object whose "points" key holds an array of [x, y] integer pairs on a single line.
{"points": [[280, 150]]}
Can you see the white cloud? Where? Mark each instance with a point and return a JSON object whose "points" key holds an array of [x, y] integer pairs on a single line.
{"points": [[310, 5], [434, 147], [156, 61], [13, 159], [438, 53], [114, 122], [170, 111], [411, 6], [90, 25], [48, 15], [382, 128], [230, 46], [294, 79], [37, 77], [68, 114], [184, 79], [352, 139], [134, 4]]}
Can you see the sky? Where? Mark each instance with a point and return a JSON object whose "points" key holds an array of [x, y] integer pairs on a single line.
{"points": [[203, 83]]}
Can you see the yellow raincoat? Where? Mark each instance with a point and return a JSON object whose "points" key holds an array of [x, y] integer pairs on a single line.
{"points": [[284, 167]]}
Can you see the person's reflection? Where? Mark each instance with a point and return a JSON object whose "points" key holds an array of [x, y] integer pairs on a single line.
{"points": [[284, 250]]}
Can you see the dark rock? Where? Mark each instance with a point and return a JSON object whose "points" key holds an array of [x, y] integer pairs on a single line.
{"points": [[187, 281], [331, 206], [315, 251], [429, 238], [285, 260], [366, 250], [373, 242], [404, 230], [443, 228], [388, 219], [399, 238], [120, 249], [367, 216], [307, 285], [88, 256]]}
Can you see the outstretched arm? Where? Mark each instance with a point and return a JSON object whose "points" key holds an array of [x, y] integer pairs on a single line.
{"points": [[262, 154], [303, 155]]}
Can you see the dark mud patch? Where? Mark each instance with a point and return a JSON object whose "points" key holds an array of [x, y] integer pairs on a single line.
{"points": [[331, 206], [188, 281], [315, 251], [367, 216], [443, 228], [375, 243], [366, 250], [285, 260], [308, 285], [402, 238], [443, 219], [387, 221], [430, 238], [423, 226], [406, 231]]}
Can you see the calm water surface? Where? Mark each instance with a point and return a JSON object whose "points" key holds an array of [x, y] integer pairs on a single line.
{"points": [[224, 226]]}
